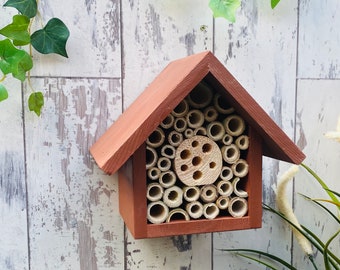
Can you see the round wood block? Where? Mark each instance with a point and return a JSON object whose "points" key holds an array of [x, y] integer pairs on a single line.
{"points": [[198, 161]]}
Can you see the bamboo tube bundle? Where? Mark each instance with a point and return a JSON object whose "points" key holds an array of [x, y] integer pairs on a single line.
{"points": [[210, 210], [167, 179], [157, 212], [208, 193], [173, 196], [238, 207], [194, 209], [154, 192], [154, 173], [177, 214]]}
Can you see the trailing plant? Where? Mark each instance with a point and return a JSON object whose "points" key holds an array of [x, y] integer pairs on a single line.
{"points": [[307, 239], [15, 60], [228, 8]]}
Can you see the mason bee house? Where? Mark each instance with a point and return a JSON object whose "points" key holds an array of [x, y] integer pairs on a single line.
{"points": [[189, 152]]}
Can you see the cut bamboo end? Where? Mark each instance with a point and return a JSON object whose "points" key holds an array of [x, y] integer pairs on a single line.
{"points": [[167, 179], [180, 124], [227, 139], [151, 157], [208, 193], [221, 105], [240, 168], [242, 142], [224, 188], [157, 212], [239, 192], [191, 194], [194, 209], [238, 207], [177, 214], [200, 131], [230, 153], [222, 202], [226, 173], [210, 210], [188, 133], [175, 138], [210, 114], [234, 125], [168, 122], [156, 138], [195, 118], [181, 109], [164, 164], [154, 173], [154, 192], [215, 131], [173, 197], [198, 161], [168, 151], [201, 96]]}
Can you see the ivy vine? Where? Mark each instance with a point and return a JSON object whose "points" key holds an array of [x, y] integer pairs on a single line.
{"points": [[15, 60], [227, 8]]}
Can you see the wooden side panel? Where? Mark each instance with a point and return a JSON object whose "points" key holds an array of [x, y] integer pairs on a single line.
{"points": [[154, 33], [260, 51], [314, 119], [73, 206]]}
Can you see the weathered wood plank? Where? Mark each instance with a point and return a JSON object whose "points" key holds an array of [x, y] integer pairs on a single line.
{"points": [[94, 43], [73, 206], [260, 51], [154, 33], [317, 112], [319, 39], [13, 212]]}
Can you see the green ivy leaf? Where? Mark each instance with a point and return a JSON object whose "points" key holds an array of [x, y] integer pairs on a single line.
{"points": [[13, 60], [52, 38], [3, 93], [224, 8], [274, 3], [25, 7], [17, 30], [36, 102]]}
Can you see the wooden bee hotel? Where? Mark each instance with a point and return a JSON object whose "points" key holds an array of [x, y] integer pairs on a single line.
{"points": [[189, 151]]}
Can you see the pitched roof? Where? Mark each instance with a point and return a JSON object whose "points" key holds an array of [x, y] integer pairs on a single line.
{"points": [[171, 86]]}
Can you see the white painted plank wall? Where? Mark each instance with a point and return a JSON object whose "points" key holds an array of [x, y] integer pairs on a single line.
{"points": [[116, 49]]}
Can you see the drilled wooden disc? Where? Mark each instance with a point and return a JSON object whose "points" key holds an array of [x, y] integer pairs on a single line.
{"points": [[198, 161]]}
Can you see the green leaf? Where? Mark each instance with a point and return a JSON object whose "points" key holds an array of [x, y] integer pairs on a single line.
{"points": [[225, 8], [52, 38], [13, 60], [17, 30], [3, 93], [35, 102], [325, 253], [25, 7], [274, 3]]}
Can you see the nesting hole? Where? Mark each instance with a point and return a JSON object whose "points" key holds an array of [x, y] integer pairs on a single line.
{"points": [[196, 161], [157, 210], [194, 144], [184, 168], [167, 178], [210, 210], [191, 192], [197, 175], [216, 130], [206, 148], [237, 206], [177, 216], [155, 137], [212, 165], [154, 191], [185, 154], [173, 195], [195, 208], [234, 124]]}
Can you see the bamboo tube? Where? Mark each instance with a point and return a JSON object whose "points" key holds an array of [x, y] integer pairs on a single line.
{"points": [[238, 207], [157, 212], [227, 139], [195, 118], [210, 114], [180, 124], [154, 192], [198, 161], [164, 164], [191, 194], [221, 105], [242, 142], [175, 138], [156, 138], [202, 131], [181, 109], [234, 125], [226, 173], [151, 157], [188, 133], [167, 179], [177, 214], [200, 96], [224, 188], [230, 153], [208, 193], [173, 197], [168, 122], [222, 202], [168, 151], [240, 168], [210, 210], [215, 131], [239, 192], [194, 209], [154, 173]]}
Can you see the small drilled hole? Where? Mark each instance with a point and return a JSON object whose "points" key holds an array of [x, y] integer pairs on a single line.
{"points": [[212, 165], [196, 161], [184, 168], [206, 148], [194, 144], [185, 154], [197, 175]]}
